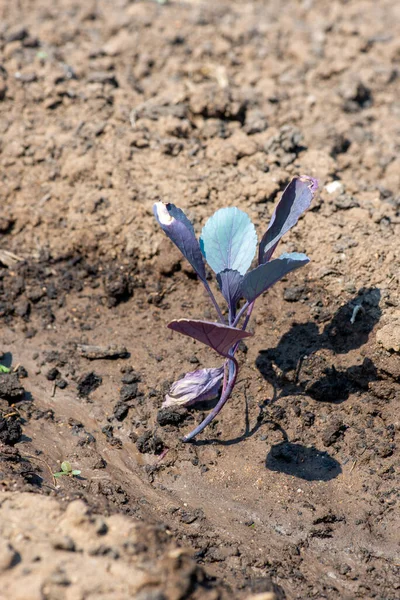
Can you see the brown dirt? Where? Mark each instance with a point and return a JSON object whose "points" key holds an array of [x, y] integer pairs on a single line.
{"points": [[106, 107]]}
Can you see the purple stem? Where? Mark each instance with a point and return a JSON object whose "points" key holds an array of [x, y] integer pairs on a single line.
{"points": [[241, 312], [213, 300], [229, 383], [225, 376], [249, 311], [224, 397], [245, 323]]}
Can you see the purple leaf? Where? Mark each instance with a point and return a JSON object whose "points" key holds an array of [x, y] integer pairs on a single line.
{"points": [[196, 386], [264, 276], [179, 229], [216, 335], [296, 198], [229, 282]]}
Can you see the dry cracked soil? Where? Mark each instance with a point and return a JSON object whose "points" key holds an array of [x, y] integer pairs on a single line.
{"points": [[105, 108]]}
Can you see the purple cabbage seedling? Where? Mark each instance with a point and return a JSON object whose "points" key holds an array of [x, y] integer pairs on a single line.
{"points": [[228, 243]]}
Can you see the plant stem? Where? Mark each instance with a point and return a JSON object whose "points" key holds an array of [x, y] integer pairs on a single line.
{"points": [[233, 368], [241, 313], [225, 376], [213, 300], [224, 397], [249, 311], [245, 322]]}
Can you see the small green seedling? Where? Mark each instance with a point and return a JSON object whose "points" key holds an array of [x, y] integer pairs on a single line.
{"points": [[4, 369], [66, 469]]}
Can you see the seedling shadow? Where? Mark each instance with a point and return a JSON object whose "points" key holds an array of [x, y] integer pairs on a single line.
{"points": [[291, 366], [7, 359], [306, 463], [300, 461]]}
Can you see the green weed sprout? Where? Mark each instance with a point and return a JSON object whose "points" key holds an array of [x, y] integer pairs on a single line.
{"points": [[66, 469]]}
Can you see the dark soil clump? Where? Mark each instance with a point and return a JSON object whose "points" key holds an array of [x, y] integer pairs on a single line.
{"points": [[169, 416], [149, 443], [88, 382], [10, 431], [10, 387]]}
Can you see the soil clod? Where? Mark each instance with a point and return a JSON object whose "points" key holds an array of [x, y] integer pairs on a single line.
{"points": [[10, 387], [10, 430], [149, 443], [88, 382]]}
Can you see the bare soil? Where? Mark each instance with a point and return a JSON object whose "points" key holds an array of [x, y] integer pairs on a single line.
{"points": [[105, 108]]}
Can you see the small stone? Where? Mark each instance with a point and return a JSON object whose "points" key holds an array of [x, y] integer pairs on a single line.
{"points": [[120, 411], [63, 542], [333, 432], [308, 418], [21, 372], [52, 374], [128, 392], [130, 377], [294, 293], [334, 187]]}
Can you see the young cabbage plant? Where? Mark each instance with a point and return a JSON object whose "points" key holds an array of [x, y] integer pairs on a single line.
{"points": [[228, 243]]}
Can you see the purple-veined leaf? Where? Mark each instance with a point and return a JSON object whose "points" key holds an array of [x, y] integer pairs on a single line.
{"points": [[296, 198], [216, 335], [264, 276], [229, 282], [228, 240], [179, 229], [196, 386]]}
